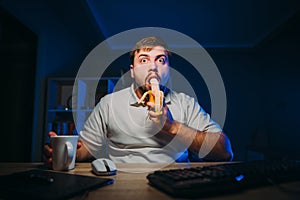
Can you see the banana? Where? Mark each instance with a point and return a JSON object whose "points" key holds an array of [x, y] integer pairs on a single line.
{"points": [[154, 95]]}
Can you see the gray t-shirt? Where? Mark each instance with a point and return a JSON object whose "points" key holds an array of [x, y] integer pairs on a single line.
{"points": [[124, 133]]}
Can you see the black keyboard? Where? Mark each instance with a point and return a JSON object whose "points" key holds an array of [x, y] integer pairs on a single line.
{"points": [[223, 178]]}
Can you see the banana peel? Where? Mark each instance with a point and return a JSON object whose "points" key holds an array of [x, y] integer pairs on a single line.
{"points": [[151, 98]]}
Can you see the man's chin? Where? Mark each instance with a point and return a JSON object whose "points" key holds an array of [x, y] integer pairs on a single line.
{"points": [[148, 86], [143, 88]]}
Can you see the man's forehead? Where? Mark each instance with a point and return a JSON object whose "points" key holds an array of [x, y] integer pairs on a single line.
{"points": [[147, 50]]}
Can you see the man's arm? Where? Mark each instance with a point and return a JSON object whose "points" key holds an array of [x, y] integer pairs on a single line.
{"points": [[210, 146], [82, 153]]}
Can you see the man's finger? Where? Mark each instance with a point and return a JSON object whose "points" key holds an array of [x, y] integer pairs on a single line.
{"points": [[150, 104], [52, 133], [48, 151], [79, 144]]}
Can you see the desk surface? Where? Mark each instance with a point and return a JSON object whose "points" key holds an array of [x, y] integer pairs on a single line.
{"points": [[131, 185]]}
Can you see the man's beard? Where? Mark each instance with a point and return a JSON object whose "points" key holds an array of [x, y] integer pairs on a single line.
{"points": [[152, 75], [143, 88]]}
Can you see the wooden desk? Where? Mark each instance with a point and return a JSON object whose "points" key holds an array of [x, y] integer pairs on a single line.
{"points": [[134, 186]]}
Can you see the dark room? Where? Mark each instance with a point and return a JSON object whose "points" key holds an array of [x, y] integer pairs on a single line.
{"points": [[208, 83]]}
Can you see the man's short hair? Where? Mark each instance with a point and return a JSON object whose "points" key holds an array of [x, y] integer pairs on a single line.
{"points": [[147, 44]]}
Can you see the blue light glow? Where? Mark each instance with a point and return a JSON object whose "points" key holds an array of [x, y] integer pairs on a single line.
{"points": [[239, 177]]}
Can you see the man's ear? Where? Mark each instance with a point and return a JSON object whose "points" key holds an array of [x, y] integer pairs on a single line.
{"points": [[131, 71]]}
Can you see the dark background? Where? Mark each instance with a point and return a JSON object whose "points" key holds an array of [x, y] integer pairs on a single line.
{"points": [[255, 45]]}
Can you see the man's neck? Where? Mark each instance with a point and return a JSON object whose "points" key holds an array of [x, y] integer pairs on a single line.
{"points": [[139, 90]]}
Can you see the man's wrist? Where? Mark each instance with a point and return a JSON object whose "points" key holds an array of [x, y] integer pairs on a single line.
{"points": [[172, 127]]}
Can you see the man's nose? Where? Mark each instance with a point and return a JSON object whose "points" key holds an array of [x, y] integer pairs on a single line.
{"points": [[153, 66]]}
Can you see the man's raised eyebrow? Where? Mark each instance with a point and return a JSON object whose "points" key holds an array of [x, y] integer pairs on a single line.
{"points": [[161, 55], [143, 55], [158, 56]]}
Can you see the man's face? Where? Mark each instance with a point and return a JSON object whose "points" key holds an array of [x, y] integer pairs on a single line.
{"points": [[150, 64]]}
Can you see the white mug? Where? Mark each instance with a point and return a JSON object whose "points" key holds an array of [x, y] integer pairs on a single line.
{"points": [[64, 151]]}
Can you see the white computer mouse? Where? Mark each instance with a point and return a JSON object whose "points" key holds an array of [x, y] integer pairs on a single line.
{"points": [[103, 167]]}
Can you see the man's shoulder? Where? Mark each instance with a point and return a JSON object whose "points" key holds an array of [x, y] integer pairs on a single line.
{"points": [[123, 91], [120, 94], [181, 96]]}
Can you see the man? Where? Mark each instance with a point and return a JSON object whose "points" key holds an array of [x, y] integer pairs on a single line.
{"points": [[123, 130]]}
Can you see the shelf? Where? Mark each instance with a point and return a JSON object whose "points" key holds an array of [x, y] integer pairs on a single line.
{"points": [[60, 94], [70, 110], [59, 110]]}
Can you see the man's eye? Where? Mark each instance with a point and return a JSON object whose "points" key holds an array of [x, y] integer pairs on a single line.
{"points": [[161, 60], [143, 60]]}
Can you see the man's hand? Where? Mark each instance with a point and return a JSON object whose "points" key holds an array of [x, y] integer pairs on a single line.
{"points": [[47, 154], [164, 120]]}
